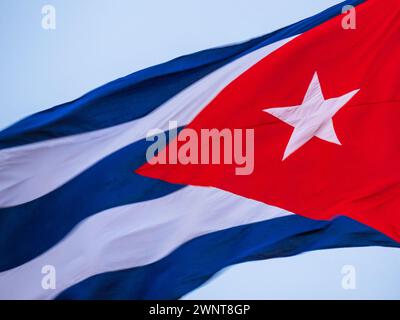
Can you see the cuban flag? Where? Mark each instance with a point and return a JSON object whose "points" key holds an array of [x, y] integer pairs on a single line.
{"points": [[78, 194]]}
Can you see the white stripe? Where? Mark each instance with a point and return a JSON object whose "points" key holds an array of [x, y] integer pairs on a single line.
{"points": [[133, 235], [31, 171]]}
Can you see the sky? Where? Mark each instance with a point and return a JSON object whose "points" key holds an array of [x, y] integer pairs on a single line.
{"points": [[97, 41]]}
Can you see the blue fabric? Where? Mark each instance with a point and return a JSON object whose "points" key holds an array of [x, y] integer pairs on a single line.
{"points": [[196, 261], [133, 97]]}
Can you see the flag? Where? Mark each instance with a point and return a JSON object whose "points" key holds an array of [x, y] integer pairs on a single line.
{"points": [[80, 196]]}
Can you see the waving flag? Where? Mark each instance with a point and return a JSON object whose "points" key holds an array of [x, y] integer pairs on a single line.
{"points": [[77, 193]]}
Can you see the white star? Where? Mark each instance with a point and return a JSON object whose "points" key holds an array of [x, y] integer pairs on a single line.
{"points": [[312, 118]]}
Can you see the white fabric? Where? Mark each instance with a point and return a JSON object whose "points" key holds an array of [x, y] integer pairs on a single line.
{"points": [[31, 171], [133, 235]]}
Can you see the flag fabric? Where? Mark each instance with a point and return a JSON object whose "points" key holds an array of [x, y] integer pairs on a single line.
{"points": [[77, 193]]}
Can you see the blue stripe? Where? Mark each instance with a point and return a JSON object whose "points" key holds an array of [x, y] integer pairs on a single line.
{"points": [[196, 261], [133, 97]]}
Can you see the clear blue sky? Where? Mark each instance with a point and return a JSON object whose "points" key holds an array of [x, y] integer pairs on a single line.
{"points": [[96, 41]]}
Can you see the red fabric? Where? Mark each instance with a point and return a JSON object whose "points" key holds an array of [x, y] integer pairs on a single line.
{"points": [[321, 180]]}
